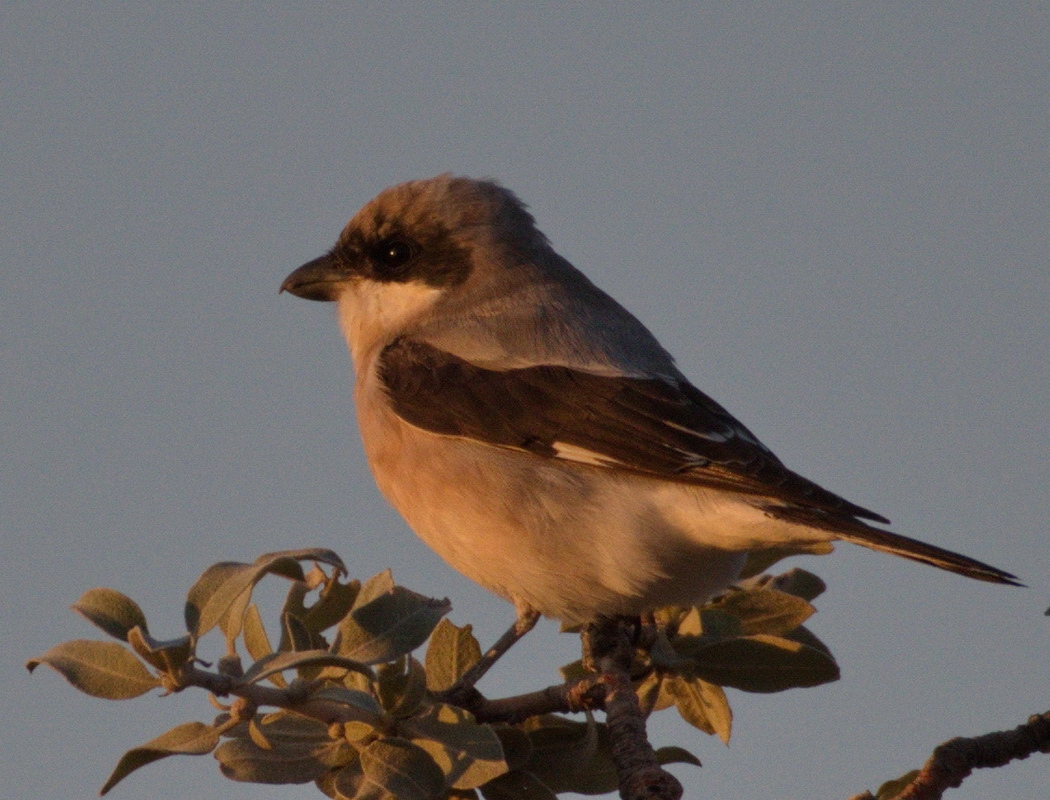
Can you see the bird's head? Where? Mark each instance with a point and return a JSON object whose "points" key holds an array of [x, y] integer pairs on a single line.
{"points": [[426, 232], [415, 245]]}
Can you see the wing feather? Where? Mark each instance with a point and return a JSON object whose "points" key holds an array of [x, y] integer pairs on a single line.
{"points": [[652, 426]]}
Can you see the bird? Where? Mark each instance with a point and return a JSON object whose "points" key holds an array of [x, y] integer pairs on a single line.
{"points": [[537, 436]]}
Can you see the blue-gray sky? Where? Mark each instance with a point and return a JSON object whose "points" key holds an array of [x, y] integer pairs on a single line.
{"points": [[836, 216]]}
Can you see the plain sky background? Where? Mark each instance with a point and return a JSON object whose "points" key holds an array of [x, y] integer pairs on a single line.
{"points": [[836, 216]]}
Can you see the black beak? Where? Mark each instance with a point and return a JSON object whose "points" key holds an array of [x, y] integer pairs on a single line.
{"points": [[316, 280]]}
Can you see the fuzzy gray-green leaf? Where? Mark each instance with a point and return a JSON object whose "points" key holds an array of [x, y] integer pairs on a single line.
{"points": [[100, 669], [321, 555], [469, 754], [703, 705], [402, 770], [169, 656], [278, 662], [569, 756], [256, 641], [113, 612], [766, 610], [401, 686], [391, 625], [361, 701], [188, 739], [517, 785], [379, 584], [800, 583], [224, 584], [298, 750], [762, 663], [451, 652], [285, 762], [335, 602]]}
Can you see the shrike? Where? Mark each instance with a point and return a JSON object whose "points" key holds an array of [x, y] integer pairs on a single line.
{"points": [[536, 435]]}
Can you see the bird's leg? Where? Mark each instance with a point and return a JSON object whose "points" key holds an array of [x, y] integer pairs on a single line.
{"points": [[527, 617], [647, 631], [597, 636]]}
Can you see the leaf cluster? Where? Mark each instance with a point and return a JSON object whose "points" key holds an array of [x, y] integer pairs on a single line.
{"points": [[341, 701], [751, 639]]}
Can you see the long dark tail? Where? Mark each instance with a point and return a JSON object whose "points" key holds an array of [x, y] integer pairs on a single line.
{"points": [[889, 542], [855, 531]]}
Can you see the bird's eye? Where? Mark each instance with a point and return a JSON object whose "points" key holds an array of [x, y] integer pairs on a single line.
{"points": [[389, 255]]}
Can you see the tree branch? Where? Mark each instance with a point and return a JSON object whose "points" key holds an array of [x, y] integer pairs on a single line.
{"points": [[641, 776], [562, 698], [952, 761], [294, 698]]}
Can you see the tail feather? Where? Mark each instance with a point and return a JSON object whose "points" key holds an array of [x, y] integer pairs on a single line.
{"points": [[853, 530], [889, 542]]}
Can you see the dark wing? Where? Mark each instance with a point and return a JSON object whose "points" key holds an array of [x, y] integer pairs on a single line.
{"points": [[652, 426], [666, 429]]}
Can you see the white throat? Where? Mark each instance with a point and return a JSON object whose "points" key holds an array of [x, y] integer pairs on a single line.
{"points": [[372, 314]]}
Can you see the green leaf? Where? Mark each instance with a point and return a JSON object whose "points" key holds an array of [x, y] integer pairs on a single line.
{"points": [[716, 622], [662, 654], [517, 785], [113, 612], [321, 555], [169, 656], [288, 726], [362, 701], [257, 643], [232, 619], [296, 636], [703, 705], [761, 663], [690, 624], [379, 584], [676, 755], [804, 635], [574, 671], [766, 610], [223, 585], [343, 784], [218, 587], [100, 669], [469, 754], [334, 603], [188, 739], [451, 652], [255, 733], [391, 625], [571, 756], [299, 750], [653, 692], [278, 662], [284, 762], [402, 770], [800, 583], [516, 745], [401, 686]]}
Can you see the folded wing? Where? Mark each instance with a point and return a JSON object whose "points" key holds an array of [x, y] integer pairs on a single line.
{"points": [[652, 426]]}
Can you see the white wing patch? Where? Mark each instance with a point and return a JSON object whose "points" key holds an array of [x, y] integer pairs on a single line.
{"points": [[582, 455], [710, 435]]}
